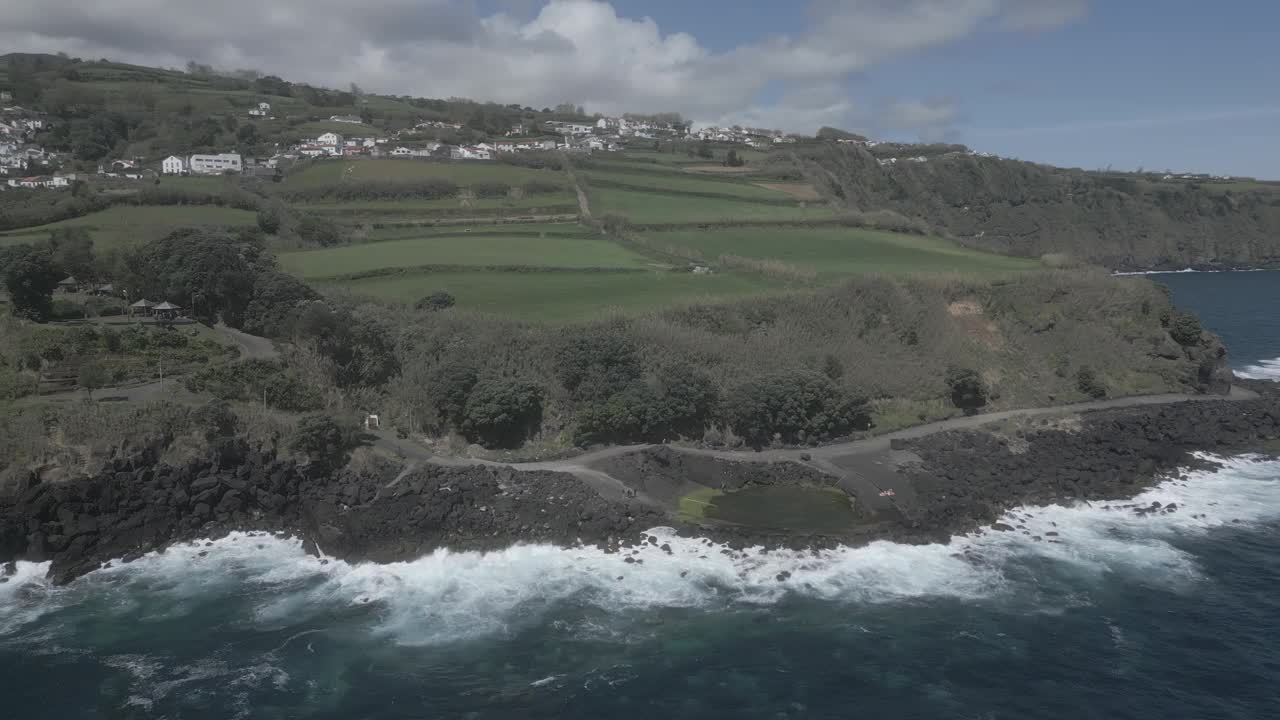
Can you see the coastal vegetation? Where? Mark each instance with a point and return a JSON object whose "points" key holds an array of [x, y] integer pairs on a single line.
{"points": [[667, 292]]}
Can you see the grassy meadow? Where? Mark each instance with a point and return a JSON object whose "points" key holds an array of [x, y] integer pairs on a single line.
{"points": [[326, 173], [839, 252], [563, 296], [656, 207], [474, 249], [125, 225]]}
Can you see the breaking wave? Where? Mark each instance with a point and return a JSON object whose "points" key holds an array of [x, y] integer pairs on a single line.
{"points": [[450, 596], [1261, 370]]}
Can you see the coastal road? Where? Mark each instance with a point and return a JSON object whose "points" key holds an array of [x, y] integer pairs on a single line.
{"points": [[867, 468]]}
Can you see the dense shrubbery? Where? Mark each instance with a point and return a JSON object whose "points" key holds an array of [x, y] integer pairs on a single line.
{"points": [[503, 413], [325, 440], [435, 302], [795, 406], [1185, 329], [1088, 382], [426, 189], [256, 381], [968, 392]]}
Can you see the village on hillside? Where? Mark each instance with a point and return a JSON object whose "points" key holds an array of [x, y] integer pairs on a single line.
{"points": [[25, 164]]}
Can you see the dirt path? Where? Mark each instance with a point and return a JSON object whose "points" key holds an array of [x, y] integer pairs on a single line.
{"points": [[584, 203], [867, 468]]}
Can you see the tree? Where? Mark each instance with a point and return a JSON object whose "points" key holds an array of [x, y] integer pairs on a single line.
{"points": [[967, 389], [503, 413], [435, 302], [1185, 329], [268, 221], [325, 440], [1088, 383], [30, 277], [203, 269], [704, 150], [795, 405], [92, 377], [71, 249], [592, 363], [733, 160]]}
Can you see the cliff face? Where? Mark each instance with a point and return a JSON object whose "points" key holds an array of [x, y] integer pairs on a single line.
{"points": [[1017, 208]]}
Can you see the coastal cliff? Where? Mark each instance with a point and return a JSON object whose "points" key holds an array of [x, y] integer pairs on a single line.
{"points": [[1123, 221], [955, 483]]}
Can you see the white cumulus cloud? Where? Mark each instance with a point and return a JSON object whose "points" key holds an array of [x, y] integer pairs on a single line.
{"points": [[580, 51]]}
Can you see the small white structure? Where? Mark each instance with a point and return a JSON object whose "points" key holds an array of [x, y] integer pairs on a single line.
{"points": [[174, 165], [330, 138], [263, 110], [353, 119], [371, 422], [215, 164]]}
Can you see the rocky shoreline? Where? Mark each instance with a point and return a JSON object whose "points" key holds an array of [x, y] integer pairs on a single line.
{"points": [[950, 483]]}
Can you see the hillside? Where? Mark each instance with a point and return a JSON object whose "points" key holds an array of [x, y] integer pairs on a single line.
{"points": [[1121, 221]]}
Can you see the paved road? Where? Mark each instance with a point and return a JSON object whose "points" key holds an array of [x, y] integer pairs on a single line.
{"points": [[251, 346]]}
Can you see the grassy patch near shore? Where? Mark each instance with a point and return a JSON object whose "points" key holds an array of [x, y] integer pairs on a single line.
{"points": [[694, 506]]}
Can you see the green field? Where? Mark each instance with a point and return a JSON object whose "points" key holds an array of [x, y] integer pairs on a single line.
{"points": [[679, 182], [404, 233], [474, 249], [325, 173], [125, 225], [563, 296], [836, 251], [646, 207], [409, 207]]}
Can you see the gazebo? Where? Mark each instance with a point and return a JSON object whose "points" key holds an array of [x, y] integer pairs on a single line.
{"points": [[166, 310], [144, 306], [69, 284]]}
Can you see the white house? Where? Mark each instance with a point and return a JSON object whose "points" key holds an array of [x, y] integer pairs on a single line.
{"points": [[215, 164], [330, 138], [470, 153], [174, 165], [402, 152], [263, 110]]}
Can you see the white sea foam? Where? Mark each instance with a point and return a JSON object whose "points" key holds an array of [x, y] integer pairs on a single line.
{"points": [[448, 596], [1261, 370]]}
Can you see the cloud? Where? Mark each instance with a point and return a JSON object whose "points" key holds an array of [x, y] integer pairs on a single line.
{"points": [[1143, 123], [579, 51], [919, 114]]}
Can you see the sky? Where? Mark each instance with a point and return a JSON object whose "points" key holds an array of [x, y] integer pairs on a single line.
{"points": [[1182, 85]]}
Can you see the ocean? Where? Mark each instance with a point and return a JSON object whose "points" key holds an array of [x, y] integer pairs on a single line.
{"points": [[1125, 616]]}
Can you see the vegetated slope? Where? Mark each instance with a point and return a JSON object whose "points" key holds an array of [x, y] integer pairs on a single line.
{"points": [[1038, 339], [1126, 222]]}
